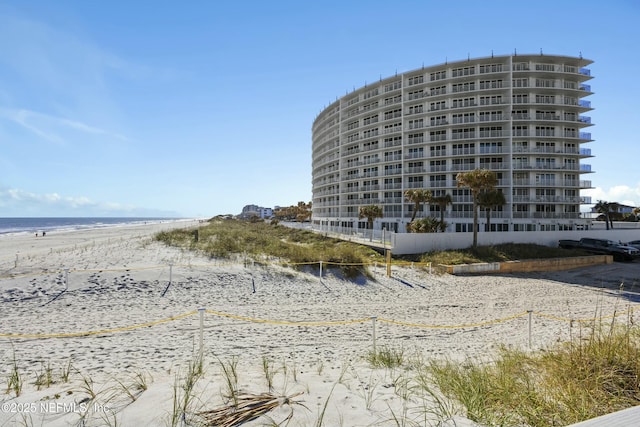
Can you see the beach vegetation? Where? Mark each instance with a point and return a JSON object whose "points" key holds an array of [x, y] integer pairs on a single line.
{"points": [[263, 241], [14, 380], [578, 380], [185, 398], [386, 357], [230, 374], [44, 378]]}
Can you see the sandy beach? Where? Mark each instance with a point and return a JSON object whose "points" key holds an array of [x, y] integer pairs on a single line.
{"points": [[114, 305]]}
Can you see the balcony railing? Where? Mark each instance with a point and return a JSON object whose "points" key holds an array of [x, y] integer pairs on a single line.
{"points": [[585, 71], [585, 200], [585, 135]]}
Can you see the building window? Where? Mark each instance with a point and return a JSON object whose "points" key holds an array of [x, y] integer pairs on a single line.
{"points": [[545, 67], [392, 141], [464, 102], [545, 99], [396, 99], [490, 147], [438, 135], [463, 71], [545, 131], [520, 130], [440, 90], [490, 84], [545, 83], [490, 116], [440, 105], [463, 118], [415, 80], [393, 86], [438, 75], [416, 109], [394, 127], [438, 150], [490, 68], [521, 82], [438, 120], [416, 138], [464, 133], [463, 87], [521, 66], [370, 120], [491, 100], [416, 153], [369, 94], [416, 124]]}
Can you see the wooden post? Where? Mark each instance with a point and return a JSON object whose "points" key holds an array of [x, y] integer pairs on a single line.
{"points": [[388, 255]]}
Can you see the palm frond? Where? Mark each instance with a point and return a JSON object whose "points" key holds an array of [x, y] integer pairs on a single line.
{"points": [[248, 407]]}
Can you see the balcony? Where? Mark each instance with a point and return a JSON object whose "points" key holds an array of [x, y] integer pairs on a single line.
{"points": [[585, 184], [585, 168], [585, 71], [584, 103], [419, 169], [585, 152], [585, 200], [584, 87], [584, 119], [585, 135], [490, 134]]}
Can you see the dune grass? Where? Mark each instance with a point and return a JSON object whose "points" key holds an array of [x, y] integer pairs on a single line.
{"points": [[575, 381], [262, 241]]}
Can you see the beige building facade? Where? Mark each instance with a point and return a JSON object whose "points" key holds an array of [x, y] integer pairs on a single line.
{"points": [[521, 116]]}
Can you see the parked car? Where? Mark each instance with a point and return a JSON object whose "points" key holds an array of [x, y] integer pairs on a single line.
{"points": [[634, 243], [619, 251]]}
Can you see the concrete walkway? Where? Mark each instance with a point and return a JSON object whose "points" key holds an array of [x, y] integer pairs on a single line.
{"points": [[626, 418]]}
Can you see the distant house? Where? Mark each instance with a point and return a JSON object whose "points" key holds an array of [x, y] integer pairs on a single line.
{"points": [[621, 212], [256, 211]]}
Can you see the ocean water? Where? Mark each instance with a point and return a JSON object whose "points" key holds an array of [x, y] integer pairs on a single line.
{"points": [[38, 225]]}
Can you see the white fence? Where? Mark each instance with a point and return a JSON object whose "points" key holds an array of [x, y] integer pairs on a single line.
{"points": [[413, 243]]}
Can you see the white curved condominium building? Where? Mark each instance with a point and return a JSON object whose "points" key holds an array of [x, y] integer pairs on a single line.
{"points": [[521, 116]]}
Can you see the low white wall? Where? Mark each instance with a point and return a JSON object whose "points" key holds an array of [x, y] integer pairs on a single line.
{"points": [[415, 243]]}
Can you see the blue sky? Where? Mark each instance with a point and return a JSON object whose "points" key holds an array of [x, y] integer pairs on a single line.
{"points": [[197, 108]]}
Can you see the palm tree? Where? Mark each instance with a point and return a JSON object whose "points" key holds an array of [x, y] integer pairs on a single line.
{"points": [[604, 208], [442, 202], [476, 181], [371, 212], [417, 196], [489, 200], [615, 208], [426, 225]]}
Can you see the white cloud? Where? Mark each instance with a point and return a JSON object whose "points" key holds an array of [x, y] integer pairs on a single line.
{"points": [[51, 127], [17, 203], [620, 193]]}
